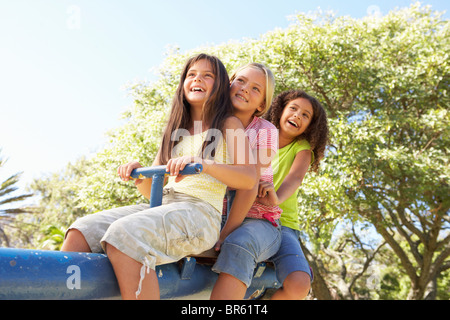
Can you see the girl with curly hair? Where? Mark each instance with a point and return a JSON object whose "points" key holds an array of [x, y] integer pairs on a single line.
{"points": [[303, 136]]}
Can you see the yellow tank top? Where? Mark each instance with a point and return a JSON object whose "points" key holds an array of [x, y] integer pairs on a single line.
{"points": [[202, 186]]}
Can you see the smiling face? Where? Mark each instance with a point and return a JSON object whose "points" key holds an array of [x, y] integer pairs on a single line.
{"points": [[296, 117], [199, 83], [248, 92]]}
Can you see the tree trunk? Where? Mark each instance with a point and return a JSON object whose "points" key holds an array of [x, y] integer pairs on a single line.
{"points": [[417, 291], [319, 287]]}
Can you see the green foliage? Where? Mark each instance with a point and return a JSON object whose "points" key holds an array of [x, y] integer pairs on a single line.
{"points": [[384, 82], [9, 208], [54, 237]]}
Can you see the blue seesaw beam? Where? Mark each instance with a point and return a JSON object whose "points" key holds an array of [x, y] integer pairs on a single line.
{"points": [[43, 274]]}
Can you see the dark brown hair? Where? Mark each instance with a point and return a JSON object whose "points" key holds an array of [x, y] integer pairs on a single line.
{"points": [[216, 109], [316, 133]]}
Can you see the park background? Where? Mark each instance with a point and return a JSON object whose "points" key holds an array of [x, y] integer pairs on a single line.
{"points": [[85, 86]]}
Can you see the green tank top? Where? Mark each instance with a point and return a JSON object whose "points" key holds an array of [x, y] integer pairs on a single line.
{"points": [[281, 165]]}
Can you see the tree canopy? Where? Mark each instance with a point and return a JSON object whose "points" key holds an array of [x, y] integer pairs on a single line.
{"points": [[375, 219]]}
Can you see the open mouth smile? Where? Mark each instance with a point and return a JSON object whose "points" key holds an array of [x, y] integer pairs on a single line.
{"points": [[241, 98], [292, 123]]}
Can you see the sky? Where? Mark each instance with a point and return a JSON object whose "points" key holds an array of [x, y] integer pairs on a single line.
{"points": [[64, 64]]}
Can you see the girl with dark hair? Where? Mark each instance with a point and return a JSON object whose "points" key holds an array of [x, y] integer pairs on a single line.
{"points": [[137, 238]]}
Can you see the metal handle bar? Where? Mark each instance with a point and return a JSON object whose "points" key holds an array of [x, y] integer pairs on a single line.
{"points": [[149, 172], [157, 173]]}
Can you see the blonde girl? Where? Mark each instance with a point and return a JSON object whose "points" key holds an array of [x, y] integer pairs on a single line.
{"points": [[243, 246]]}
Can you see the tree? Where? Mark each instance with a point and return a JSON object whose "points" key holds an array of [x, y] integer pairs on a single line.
{"points": [[390, 130], [58, 205], [8, 203], [384, 82]]}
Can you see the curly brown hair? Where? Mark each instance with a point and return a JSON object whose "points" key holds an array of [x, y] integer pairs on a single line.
{"points": [[316, 133]]}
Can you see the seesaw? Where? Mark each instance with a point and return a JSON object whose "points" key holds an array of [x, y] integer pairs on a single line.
{"points": [[44, 274]]}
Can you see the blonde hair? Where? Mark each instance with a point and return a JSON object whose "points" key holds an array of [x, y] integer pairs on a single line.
{"points": [[270, 84]]}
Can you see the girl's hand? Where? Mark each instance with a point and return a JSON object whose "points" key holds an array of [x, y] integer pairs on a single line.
{"points": [[124, 171], [176, 165], [267, 194], [218, 245]]}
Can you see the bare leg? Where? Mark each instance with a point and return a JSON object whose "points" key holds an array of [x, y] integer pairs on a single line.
{"points": [[127, 272], [75, 242], [228, 287], [295, 287]]}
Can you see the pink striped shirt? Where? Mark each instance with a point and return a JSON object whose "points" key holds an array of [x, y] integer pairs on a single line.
{"points": [[262, 134]]}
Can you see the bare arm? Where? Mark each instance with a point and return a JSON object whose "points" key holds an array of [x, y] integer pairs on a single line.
{"points": [[242, 203], [240, 175], [292, 181]]}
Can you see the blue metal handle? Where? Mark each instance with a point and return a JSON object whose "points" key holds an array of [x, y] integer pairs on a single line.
{"points": [[149, 172], [37, 274], [157, 173]]}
